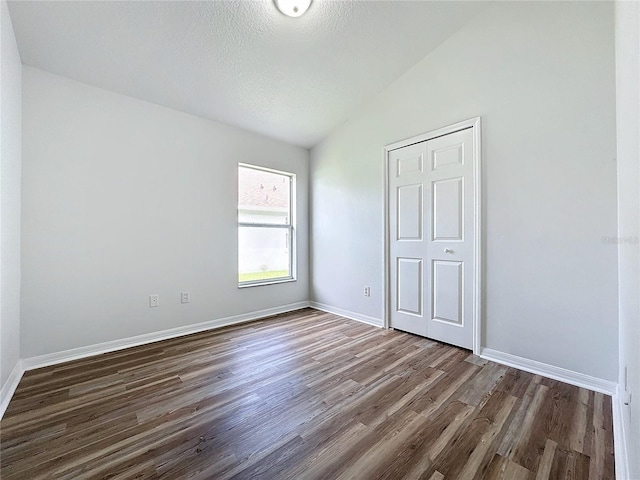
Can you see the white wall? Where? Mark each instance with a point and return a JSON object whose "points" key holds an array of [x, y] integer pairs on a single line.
{"points": [[541, 75], [627, 20], [10, 161], [122, 199]]}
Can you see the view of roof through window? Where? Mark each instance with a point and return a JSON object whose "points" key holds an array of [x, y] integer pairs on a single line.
{"points": [[259, 188]]}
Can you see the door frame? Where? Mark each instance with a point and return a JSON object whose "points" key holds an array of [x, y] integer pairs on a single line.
{"points": [[475, 125]]}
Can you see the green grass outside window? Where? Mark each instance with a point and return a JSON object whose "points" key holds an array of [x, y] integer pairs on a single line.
{"points": [[254, 276]]}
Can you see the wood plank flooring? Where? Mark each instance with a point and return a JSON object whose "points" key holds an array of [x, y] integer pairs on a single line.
{"points": [[305, 395]]}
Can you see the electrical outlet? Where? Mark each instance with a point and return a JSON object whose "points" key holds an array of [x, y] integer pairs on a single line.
{"points": [[185, 297], [367, 291], [154, 300]]}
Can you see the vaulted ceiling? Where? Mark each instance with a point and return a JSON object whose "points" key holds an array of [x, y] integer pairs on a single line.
{"points": [[240, 62]]}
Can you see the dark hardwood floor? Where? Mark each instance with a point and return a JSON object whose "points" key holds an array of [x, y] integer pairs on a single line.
{"points": [[305, 395]]}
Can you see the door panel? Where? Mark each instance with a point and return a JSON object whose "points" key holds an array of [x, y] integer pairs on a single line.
{"points": [[409, 165], [448, 210], [409, 291], [409, 205], [446, 291], [431, 220], [452, 154]]}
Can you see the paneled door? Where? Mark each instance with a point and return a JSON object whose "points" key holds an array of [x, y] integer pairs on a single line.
{"points": [[433, 237]]}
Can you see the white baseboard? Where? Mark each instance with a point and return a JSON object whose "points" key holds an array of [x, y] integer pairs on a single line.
{"points": [[112, 346], [620, 436], [556, 373], [9, 387], [376, 322]]}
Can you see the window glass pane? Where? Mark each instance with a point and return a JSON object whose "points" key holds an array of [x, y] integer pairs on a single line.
{"points": [[263, 197], [264, 253]]}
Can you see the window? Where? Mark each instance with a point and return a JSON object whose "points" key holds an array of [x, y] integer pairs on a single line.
{"points": [[266, 239]]}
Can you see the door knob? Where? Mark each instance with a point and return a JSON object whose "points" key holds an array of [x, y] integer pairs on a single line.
{"points": [[448, 250]]}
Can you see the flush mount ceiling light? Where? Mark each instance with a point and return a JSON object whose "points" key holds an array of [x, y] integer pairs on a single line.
{"points": [[292, 8]]}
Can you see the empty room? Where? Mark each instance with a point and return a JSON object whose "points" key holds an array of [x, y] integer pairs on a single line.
{"points": [[320, 239]]}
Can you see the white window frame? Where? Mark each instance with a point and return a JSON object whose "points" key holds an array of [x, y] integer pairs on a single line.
{"points": [[290, 227]]}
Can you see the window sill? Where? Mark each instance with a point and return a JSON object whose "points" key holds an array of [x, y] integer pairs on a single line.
{"points": [[266, 282]]}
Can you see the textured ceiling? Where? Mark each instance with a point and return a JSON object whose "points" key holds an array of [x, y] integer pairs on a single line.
{"points": [[240, 62]]}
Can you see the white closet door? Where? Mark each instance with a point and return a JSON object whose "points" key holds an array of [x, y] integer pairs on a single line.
{"points": [[431, 218]]}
